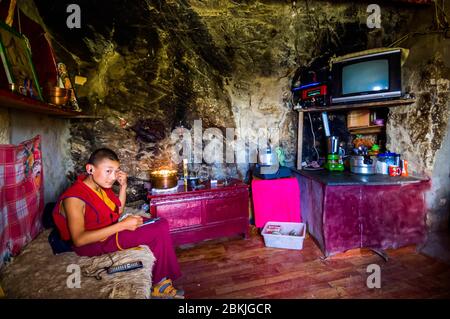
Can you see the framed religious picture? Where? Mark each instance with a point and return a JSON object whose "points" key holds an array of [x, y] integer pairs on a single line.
{"points": [[15, 53]]}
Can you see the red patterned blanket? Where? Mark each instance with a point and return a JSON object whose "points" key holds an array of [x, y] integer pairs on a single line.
{"points": [[21, 196]]}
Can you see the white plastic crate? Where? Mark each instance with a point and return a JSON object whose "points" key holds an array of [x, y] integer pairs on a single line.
{"points": [[283, 240]]}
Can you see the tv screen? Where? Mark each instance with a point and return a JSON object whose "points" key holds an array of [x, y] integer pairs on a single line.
{"points": [[368, 76]]}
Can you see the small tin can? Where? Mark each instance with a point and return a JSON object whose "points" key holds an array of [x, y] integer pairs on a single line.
{"points": [[394, 170], [404, 168]]}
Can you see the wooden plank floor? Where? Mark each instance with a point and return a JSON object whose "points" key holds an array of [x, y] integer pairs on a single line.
{"points": [[238, 268]]}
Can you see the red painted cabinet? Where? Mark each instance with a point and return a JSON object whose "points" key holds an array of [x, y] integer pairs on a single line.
{"points": [[234, 206], [181, 214], [399, 217], [209, 213], [345, 211], [341, 217]]}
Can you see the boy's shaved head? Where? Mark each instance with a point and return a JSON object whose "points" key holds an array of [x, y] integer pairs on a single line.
{"points": [[102, 153]]}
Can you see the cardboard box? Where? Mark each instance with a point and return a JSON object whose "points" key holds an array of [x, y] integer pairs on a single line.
{"points": [[358, 118]]}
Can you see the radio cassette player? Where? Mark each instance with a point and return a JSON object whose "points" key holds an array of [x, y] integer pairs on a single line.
{"points": [[311, 87], [313, 95]]}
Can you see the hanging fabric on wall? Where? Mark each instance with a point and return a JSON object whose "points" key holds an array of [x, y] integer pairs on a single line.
{"points": [[21, 195]]}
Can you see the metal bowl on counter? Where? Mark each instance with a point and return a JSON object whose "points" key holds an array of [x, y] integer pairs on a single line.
{"points": [[164, 178], [363, 164]]}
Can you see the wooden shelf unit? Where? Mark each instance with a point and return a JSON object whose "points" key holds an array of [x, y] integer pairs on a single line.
{"points": [[347, 107], [344, 107], [16, 101], [371, 129]]}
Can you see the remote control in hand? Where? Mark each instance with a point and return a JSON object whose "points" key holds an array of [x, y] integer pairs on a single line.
{"points": [[125, 267]]}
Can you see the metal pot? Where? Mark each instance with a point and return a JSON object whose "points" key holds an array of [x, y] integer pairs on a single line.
{"points": [[267, 157], [164, 179], [363, 164], [332, 144]]}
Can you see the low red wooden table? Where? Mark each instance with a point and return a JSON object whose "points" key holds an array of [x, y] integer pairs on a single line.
{"points": [[211, 212]]}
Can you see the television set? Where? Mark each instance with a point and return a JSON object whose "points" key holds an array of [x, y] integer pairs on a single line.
{"points": [[367, 77]]}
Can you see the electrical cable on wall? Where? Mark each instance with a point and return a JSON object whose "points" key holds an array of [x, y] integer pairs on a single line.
{"points": [[314, 136], [442, 27]]}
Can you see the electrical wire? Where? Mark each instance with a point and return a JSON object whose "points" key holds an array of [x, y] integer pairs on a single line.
{"points": [[438, 22], [18, 19], [314, 136], [443, 15], [97, 272], [403, 38], [442, 27]]}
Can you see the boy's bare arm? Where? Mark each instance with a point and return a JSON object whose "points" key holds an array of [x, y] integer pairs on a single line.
{"points": [[122, 179], [122, 198], [74, 209]]}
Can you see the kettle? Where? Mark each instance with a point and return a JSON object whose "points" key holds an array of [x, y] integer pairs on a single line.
{"points": [[267, 156]]}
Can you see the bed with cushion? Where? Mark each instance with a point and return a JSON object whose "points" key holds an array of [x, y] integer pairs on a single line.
{"points": [[37, 273]]}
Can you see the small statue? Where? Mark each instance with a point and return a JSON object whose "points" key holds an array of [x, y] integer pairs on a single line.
{"points": [[64, 82]]}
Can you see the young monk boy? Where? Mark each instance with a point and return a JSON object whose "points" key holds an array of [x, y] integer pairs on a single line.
{"points": [[87, 214]]}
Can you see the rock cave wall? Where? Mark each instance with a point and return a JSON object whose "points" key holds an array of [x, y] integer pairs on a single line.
{"points": [[420, 132], [154, 66]]}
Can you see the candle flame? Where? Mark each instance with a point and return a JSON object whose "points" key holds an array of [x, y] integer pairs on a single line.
{"points": [[164, 172]]}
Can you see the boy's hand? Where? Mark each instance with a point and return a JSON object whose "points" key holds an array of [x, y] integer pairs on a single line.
{"points": [[132, 222], [122, 178]]}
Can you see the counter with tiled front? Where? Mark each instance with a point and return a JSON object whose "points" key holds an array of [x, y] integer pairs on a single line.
{"points": [[345, 210]]}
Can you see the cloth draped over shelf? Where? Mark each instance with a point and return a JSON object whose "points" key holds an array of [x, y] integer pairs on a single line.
{"points": [[276, 200]]}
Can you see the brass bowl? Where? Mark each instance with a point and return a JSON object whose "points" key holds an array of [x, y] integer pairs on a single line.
{"points": [[58, 100], [164, 179], [56, 91], [57, 95]]}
